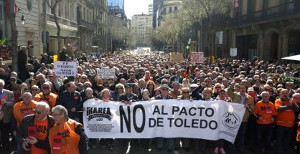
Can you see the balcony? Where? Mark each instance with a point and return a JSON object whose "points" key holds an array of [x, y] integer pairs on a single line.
{"points": [[85, 24], [278, 12], [63, 21]]}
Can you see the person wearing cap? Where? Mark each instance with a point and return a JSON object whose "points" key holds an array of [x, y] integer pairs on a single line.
{"points": [[164, 94], [128, 97], [46, 95]]}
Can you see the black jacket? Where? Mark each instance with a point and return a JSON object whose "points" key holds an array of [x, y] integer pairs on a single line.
{"points": [[70, 100], [22, 133]]}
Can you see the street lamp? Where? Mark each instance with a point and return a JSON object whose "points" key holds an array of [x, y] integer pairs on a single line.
{"points": [[22, 17]]}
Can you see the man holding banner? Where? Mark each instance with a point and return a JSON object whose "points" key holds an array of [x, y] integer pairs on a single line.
{"points": [[164, 90]]}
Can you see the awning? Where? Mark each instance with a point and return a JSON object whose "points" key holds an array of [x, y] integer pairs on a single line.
{"points": [[295, 58]]}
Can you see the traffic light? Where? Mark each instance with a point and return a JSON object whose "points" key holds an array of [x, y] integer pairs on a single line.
{"points": [[188, 47]]}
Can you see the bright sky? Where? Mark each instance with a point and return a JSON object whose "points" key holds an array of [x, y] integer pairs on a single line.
{"points": [[133, 7]]}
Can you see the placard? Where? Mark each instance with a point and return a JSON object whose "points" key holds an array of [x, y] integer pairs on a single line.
{"points": [[65, 68], [106, 73], [178, 57], [233, 52], [197, 57]]}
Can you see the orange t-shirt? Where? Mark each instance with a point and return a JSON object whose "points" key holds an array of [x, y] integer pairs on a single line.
{"points": [[41, 134], [50, 99], [21, 110], [298, 133], [284, 118], [266, 111], [63, 139]]}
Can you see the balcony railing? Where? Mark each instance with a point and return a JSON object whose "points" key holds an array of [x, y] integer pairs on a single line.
{"points": [[61, 20], [85, 24], [273, 13]]}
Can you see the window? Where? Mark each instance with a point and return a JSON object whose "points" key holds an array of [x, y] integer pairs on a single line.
{"points": [[273, 3], [244, 7], [259, 5]]}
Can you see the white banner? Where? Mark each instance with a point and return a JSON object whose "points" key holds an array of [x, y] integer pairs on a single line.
{"points": [[106, 73], [65, 68], [210, 120]]}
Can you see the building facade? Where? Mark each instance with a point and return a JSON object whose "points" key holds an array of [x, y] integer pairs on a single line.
{"points": [[141, 25], [167, 7], [150, 9], [263, 28], [156, 4]]}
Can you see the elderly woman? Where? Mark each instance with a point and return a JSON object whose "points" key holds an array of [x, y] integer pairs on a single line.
{"points": [[67, 135], [119, 90]]}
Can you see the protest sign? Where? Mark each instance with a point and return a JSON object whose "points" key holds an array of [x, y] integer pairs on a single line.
{"points": [[65, 68], [210, 120], [233, 52], [197, 57], [178, 57], [106, 73]]}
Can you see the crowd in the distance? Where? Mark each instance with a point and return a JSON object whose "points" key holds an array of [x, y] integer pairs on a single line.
{"points": [[267, 90]]}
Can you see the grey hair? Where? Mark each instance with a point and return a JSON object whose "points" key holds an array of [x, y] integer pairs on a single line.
{"points": [[61, 109], [2, 81], [44, 105]]}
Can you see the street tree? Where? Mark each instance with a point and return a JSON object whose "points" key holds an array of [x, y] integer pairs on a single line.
{"points": [[52, 4], [14, 34]]}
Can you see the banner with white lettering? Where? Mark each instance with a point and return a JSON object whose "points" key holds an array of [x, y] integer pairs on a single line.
{"points": [[210, 120], [65, 68], [106, 73]]}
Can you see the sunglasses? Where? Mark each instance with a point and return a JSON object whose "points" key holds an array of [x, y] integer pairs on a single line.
{"points": [[185, 92], [46, 88]]}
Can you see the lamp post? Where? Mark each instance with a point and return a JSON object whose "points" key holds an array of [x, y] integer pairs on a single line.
{"points": [[22, 17]]}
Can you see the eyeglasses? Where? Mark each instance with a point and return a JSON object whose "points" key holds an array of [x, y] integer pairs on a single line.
{"points": [[34, 89], [55, 114], [37, 112]]}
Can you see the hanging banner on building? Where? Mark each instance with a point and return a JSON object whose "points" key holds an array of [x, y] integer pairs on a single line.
{"points": [[209, 120], [233, 52], [197, 57], [175, 58], [219, 37], [106, 73], [65, 68]]}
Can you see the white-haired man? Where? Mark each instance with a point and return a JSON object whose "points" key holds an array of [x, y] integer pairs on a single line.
{"points": [[6, 107]]}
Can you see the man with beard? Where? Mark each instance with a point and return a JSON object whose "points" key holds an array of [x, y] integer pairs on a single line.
{"points": [[285, 121]]}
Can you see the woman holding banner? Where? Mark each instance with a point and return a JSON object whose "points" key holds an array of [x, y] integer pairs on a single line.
{"points": [[105, 97]]}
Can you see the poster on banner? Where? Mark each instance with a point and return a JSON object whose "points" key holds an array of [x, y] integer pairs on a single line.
{"points": [[197, 57], [65, 68], [209, 120], [233, 52], [106, 73], [178, 57]]}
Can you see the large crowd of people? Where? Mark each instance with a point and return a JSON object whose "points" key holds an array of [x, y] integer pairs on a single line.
{"points": [[42, 113]]}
